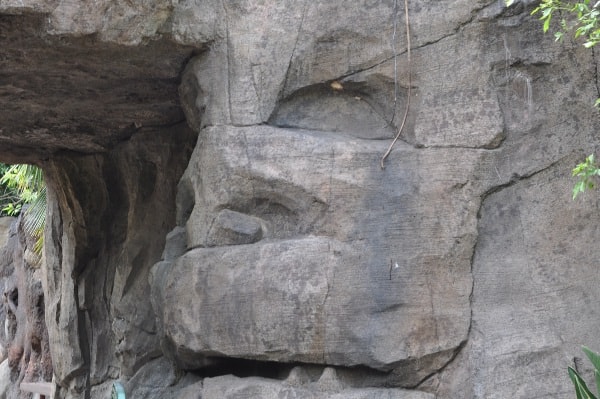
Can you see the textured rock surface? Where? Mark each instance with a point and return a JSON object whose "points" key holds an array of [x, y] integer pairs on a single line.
{"points": [[5, 383], [460, 270], [233, 387], [75, 93], [537, 297], [287, 297], [24, 342], [107, 213]]}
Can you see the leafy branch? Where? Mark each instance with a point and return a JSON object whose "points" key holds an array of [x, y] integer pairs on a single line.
{"points": [[585, 23], [585, 172], [24, 185]]}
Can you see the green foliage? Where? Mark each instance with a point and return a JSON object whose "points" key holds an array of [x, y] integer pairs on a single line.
{"points": [[581, 389], [585, 173], [10, 201], [34, 221], [585, 23], [583, 19], [26, 183]]}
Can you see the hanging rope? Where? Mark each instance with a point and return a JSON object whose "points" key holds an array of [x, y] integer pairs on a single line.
{"points": [[389, 150]]}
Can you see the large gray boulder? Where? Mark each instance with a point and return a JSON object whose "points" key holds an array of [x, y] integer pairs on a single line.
{"points": [[336, 277]]}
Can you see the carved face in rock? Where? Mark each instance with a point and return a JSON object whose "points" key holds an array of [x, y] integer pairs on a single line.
{"points": [[301, 249], [299, 246]]}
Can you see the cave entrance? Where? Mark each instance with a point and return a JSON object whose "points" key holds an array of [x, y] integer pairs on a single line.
{"points": [[104, 123]]}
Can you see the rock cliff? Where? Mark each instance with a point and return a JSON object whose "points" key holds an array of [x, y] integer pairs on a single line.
{"points": [[24, 344], [219, 225]]}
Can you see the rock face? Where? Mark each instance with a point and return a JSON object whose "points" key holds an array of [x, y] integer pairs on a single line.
{"points": [[233, 387], [108, 214], [24, 345], [219, 224], [286, 296], [70, 92]]}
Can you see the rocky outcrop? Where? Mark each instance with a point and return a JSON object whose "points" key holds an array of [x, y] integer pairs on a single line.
{"points": [[106, 213], [24, 345], [219, 224], [74, 93], [322, 251]]}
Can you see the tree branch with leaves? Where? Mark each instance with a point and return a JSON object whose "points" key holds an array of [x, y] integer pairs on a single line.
{"points": [[582, 19], [24, 185]]}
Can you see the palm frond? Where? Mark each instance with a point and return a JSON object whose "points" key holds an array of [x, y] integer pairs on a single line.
{"points": [[27, 182], [35, 215]]}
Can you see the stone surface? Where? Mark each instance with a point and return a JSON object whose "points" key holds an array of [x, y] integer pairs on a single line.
{"points": [[158, 379], [5, 382], [324, 254], [227, 387], [537, 297], [23, 338], [78, 94], [123, 23], [234, 228], [5, 223], [105, 210], [176, 243], [460, 270]]}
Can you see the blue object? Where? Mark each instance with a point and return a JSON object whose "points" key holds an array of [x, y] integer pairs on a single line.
{"points": [[118, 391]]}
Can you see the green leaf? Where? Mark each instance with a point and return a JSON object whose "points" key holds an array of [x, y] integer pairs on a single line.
{"points": [[547, 23], [12, 209], [575, 379], [579, 188], [578, 169], [27, 181], [593, 356], [581, 389], [547, 13]]}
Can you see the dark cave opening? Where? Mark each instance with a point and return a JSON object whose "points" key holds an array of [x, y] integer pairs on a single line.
{"points": [[105, 124]]}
